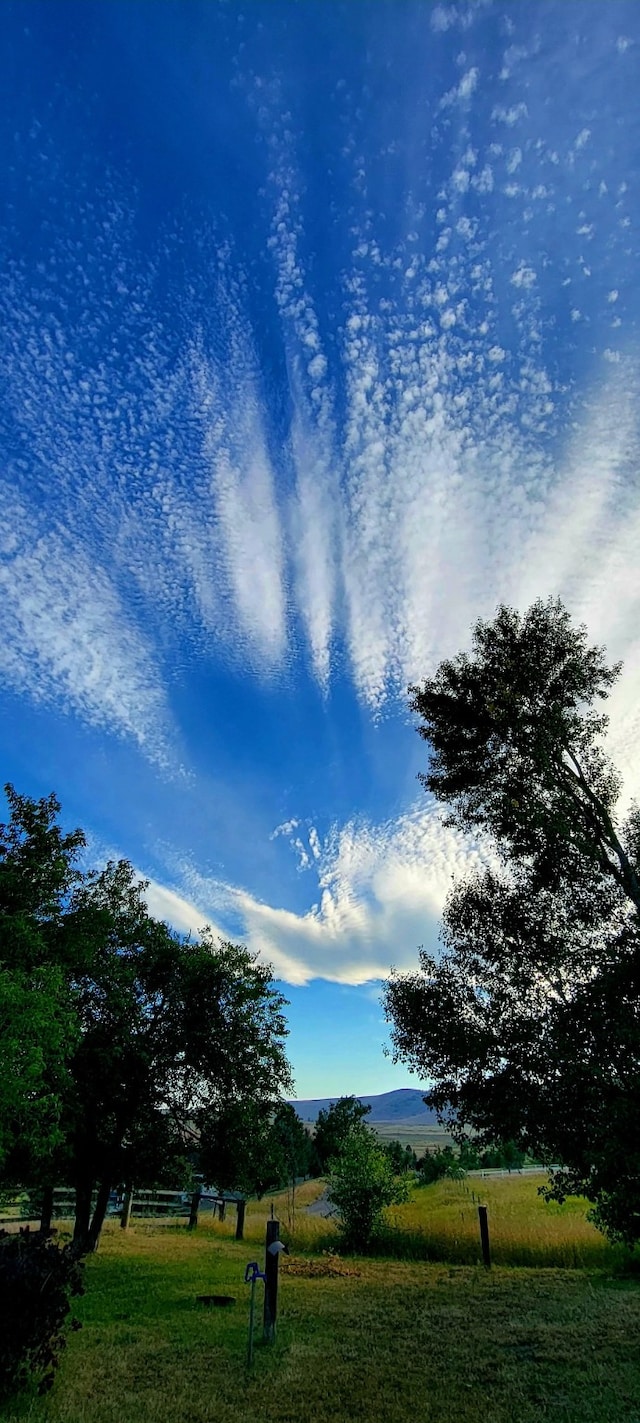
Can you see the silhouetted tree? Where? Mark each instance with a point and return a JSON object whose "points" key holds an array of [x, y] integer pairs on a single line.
{"points": [[334, 1126], [161, 1030], [528, 1024]]}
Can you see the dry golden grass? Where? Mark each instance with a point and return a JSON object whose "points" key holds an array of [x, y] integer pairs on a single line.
{"points": [[441, 1222]]}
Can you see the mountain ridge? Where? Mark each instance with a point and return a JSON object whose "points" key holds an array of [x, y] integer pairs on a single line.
{"points": [[403, 1104]]}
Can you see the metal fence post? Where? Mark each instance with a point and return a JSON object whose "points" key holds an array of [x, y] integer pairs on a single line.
{"points": [[271, 1281]]}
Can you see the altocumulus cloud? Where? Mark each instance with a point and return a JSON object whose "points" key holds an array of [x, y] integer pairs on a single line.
{"points": [[445, 437]]}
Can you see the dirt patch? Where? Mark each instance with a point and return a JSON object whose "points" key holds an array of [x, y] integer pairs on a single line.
{"points": [[327, 1266]]}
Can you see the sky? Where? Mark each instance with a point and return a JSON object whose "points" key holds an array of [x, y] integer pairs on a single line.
{"points": [[318, 340]]}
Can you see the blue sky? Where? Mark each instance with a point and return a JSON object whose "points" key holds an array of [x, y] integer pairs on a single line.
{"points": [[318, 339]]}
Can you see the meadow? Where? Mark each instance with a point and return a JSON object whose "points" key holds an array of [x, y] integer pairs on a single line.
{"points": [[552, 1331], [421, 1137]]}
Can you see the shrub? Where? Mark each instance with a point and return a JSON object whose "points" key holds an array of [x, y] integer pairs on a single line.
{"points": [[435, 1165], [361, 1184], [37, 1280]]}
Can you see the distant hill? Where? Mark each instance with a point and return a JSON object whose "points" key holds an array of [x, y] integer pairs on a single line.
{"points": [[405, 1104]]}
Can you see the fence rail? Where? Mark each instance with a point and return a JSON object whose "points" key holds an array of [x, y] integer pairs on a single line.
{"points": [[26, 1206]]}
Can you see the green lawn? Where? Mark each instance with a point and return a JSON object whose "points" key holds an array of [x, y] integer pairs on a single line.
{"points": [[382, 1341]]}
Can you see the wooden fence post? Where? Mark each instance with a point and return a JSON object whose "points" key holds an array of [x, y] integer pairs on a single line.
{"points": [[240, 1210], [271, 1282], [46, 1210], [484, 1236], [221, 1210], [195, 1206], [127, 1203]]}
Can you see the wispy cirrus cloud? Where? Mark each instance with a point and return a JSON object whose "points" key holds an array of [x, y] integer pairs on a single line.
{"points": [[433, 453], [67, 637]]}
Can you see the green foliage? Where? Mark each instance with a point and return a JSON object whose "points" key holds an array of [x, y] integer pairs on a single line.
{"points": [[361, 1184], [402, 1158], [333, 1128], [236, 1150], [38, 1025], [123, 1037], [436, 1165], [292, 1145], [253, 1146], [528, 1023], [37, 1281]]}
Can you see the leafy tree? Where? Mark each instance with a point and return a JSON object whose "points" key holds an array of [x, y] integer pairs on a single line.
{"points": [[528, 1024], [38, 1026], [334, 1126], [402, 1158], [362, 1183], [162, 1030], [292, 1142], [254, 1146], [436, 1165], [237, 1150], [169, 1030]]}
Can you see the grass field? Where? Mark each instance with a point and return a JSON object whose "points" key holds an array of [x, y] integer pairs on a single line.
{"points": [[418, 1137], [377, 1341]]}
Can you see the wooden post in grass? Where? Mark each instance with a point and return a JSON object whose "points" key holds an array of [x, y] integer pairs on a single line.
{"points": [[484, 1236], [195, 1207], [221, 1209], [240, 1210], [46, 1210], [126, 1208], [272, 1261]]}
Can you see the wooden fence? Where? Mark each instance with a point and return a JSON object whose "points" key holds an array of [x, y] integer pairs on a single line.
{"points": [[138, 1203]]}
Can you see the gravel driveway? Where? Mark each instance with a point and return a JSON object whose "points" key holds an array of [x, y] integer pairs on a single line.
{"points": [[321, 1207]]}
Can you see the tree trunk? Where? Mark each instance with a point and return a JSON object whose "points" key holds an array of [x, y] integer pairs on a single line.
{"points": [[104, 1191], [46, 1210]]}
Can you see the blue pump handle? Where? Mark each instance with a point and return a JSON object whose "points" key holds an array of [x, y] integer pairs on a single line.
{"points": [[253, 1272]]}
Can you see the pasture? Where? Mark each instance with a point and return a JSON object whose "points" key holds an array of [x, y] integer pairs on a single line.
{"points": [[421, 1136], [429, 1337]]}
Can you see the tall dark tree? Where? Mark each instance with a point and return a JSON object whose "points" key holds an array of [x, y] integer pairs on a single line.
{"points": [[38, 1025], [161, 1030], [236, 1148], [528, 1024], [334, 1126], [169, 1030]]}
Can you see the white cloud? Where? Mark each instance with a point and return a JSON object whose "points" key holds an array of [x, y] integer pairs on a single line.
{"points": [[381, 892], [442, 18], [287, 828], [463, 91], [66, 637], [179, 913], [523, 277], [510, 116]]}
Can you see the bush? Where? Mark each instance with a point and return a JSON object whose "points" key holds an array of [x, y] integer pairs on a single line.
{"points": [[435, 1165], [37, 1280], [361, 1184]]}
